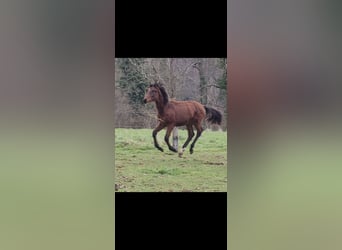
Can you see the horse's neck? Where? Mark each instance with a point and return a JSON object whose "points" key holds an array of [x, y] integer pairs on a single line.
{"points": [[160, 107]]}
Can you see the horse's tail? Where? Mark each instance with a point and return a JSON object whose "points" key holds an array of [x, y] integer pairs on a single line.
{"points": [[213, 116]]}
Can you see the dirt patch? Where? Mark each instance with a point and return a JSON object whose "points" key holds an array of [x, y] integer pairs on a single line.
{"points": [[213, 163]]}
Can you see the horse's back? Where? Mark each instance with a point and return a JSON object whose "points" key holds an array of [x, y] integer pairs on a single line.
{"points": [[188, 111], [190, 105]]}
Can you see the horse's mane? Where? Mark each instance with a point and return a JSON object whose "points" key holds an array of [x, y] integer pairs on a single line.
{"points": [[162, 91]]}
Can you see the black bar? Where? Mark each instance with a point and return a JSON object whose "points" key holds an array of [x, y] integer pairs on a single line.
{"points": [[178, 28], [179, 220]]}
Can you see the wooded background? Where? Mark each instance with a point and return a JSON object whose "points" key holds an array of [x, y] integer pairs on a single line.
{"points": [[200, 79]]}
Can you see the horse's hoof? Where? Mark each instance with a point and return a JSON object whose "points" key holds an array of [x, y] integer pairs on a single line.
{"points": [[173, 150], [191, 151], [162, 150], [180, 153]]}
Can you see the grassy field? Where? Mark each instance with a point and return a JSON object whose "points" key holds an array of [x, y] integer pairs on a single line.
{"points": [[140, 167]]}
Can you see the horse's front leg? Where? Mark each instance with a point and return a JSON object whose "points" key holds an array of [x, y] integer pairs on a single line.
{"points": [[167, 136], [154, 134]]}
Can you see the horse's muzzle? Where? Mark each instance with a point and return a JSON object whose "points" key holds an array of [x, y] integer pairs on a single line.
{"points": [[145, 101]]}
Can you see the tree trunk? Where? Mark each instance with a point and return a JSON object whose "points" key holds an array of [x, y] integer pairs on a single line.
{"points": [[171, 78], [203, 82]]}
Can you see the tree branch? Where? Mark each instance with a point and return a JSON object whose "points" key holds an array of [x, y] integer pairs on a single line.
{"points": [[191, 64], [212, 85]]}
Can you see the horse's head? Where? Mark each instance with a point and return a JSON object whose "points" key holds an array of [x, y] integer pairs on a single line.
{"points": [[152, 93]]}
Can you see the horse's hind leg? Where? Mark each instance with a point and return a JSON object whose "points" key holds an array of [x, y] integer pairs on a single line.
{"points": [[167, 136], [190, 136], [198, 134], [154, 134]]}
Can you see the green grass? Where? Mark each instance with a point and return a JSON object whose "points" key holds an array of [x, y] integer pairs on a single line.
{"points": [[140, 167]]}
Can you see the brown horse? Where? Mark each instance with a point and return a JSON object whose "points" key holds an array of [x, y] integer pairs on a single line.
{"points": [[173, 113]]}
